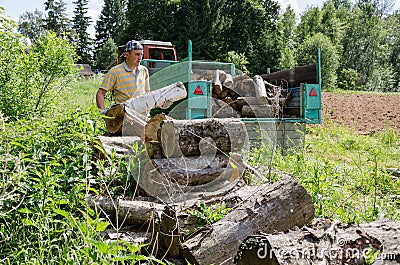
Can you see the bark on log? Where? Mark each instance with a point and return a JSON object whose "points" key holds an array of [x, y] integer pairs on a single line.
{"points": [[196, 137], [259, 87], [134, 123], [273, 208], [162, 98], [259, 111], [168, 190], [228, 82], [126, 212], [324, 242], [189, 171], [251, 101], [245, 88], [121, 146]]}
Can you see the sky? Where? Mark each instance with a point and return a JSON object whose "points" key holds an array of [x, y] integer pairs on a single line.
{"points": [[14, 10]]}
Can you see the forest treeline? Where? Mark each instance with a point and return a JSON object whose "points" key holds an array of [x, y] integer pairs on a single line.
{"points": [[360, 43]]}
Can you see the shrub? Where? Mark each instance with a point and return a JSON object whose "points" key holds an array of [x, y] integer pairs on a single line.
{"points": [[348, 79], [307, 54], [31, 76]]}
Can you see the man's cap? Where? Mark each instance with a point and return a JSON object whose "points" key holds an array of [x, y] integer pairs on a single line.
{"points": [[133, 45]]}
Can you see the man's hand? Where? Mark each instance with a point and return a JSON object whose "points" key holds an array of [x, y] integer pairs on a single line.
{"points": [[103, 112]]}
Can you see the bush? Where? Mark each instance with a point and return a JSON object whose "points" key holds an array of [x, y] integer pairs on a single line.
{"points": [[381, 79], [348, 79], [307, 54]]}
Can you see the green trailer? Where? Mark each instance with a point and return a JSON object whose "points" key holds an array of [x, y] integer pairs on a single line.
{"points": [[286, 131]]}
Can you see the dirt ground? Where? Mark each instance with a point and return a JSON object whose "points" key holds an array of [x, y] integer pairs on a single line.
{"points": [[365, 113]]}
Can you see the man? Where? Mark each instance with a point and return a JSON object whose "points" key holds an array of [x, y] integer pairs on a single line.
{"points": [[126, 80]]}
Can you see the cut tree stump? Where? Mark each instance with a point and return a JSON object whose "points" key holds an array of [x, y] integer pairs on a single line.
{"points": [[272, 208], [189, 137]]}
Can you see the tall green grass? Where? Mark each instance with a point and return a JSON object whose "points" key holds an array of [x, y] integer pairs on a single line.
{"points": [[47, 169], [344, 172]]}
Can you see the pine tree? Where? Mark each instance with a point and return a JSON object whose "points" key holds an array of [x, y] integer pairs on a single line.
{"points": [[80, 25], [110, 23], [288, 28], [57, 20]]}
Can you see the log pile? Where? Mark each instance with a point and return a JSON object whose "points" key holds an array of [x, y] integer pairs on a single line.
{"points": [[269, 225], [173, 232], [189, 158], [243, 96]]}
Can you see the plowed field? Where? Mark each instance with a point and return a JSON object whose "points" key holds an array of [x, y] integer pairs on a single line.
{"points": [[365, 113]]}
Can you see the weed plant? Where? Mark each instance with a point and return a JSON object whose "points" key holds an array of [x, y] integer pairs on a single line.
{"points": [[344, 172], [47, 170]]}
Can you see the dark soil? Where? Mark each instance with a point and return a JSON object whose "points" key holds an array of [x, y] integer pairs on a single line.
{"points": [[365, 113]]}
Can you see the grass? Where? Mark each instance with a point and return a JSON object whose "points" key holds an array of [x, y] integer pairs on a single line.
{"points": [[345, 173], [46, 170]]}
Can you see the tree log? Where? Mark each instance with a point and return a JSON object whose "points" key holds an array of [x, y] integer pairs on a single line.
{"points": [[324, 242], [120, 146], [126, 212], [259, 111], [189, 171], [259, 87], [245, 88], [162, 98], [194, 137], [134, 123], [272, 208]]}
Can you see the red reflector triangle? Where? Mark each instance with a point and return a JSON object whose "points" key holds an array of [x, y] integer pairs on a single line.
{"points": [[313, 93], [198, 91]]}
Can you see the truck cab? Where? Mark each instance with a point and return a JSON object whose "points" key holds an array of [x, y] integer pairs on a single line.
{"points": [[156, 54]]}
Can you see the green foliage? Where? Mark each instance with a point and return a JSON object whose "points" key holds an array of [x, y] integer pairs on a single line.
{"points": [[288, 28], [31, 25], [239, 60], [111, 23], [309, 25], [348, 79], [381, 79], [46, 171], [106, 55], [308, 52], [32, 77], [80, 24], [365, 44], [56, 19], [343, 172], [208, 214]]}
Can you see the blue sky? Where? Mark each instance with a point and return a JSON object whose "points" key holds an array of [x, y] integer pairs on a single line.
{"points": [[14, 10]]}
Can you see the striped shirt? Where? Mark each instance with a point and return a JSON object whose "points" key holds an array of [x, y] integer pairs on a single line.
{"points": [[125, 83]]}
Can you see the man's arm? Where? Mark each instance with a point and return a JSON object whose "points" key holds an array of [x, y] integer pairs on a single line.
{"points": [[147, 84], [100, 98]]}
